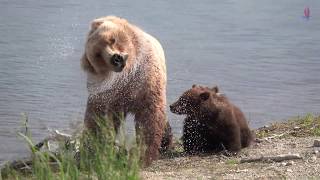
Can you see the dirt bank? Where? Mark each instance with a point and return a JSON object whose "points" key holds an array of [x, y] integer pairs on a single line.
{"points": [[295, 137]]}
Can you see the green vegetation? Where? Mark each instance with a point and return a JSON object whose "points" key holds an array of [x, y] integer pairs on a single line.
{"points": [[232, 161], [90, 155], [308, 125], [100, 155]]}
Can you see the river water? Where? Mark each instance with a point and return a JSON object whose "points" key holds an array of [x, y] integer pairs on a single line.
{"points": [[263, 54]]}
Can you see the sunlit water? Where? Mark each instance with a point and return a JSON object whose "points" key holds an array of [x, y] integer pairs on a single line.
{"points": [[262, 54]]}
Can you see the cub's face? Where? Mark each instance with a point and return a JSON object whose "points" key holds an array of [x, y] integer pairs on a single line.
{"points": [[191, 101], [107, 47]]}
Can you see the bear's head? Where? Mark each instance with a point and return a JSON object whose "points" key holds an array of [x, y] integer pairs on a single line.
{"points": [[195, 99], [108, 47]]}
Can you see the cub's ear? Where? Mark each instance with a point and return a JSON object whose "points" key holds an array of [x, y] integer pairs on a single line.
{"points": [[85, 64], [215, 89], [204, 96]]}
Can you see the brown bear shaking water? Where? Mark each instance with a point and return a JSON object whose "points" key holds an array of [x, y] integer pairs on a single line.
{"points": [[126, 73], [212, 123]]}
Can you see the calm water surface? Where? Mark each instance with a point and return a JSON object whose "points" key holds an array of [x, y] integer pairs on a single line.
{"points": [[262, 54]]}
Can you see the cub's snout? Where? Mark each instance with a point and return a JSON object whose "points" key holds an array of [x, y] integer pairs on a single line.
{"points": [[176, 108]]}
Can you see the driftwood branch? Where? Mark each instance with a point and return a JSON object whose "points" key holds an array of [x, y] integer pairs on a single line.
{"points": [[25, 164], [276, 136], [54, 136], [279, 158]]}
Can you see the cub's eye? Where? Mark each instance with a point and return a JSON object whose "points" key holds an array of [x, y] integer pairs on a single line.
{"points": [[183, 101], [98, 55], [112, 41]]}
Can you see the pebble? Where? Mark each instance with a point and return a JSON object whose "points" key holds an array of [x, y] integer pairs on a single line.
{"points": [[316, 143], [287, 163], [289, 170], [293, 145], [296, 128], [241, 170]]}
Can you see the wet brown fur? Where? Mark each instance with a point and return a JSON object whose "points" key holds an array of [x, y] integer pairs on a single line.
{"points": [[212, 123], [139, 89]]}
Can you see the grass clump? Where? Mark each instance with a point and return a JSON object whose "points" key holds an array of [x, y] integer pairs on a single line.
{"points": [[308, 125], [90, 155], [232, 161]]}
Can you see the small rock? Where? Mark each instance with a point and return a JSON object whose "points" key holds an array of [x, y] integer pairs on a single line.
{"points": [[292, 145], [290, 163], [258, 140], [283, 164], [241, 170], [316, 143], [289, 170], [296, 128], [287, 163]]}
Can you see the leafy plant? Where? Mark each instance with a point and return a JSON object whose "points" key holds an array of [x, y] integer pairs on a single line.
{"points": [[90, 155]]}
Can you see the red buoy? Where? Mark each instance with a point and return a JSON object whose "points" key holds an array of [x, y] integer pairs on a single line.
{"points": [[306, 12]]}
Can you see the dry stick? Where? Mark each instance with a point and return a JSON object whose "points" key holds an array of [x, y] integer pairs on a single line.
{"points": [[276, 136], [271, 137], [278, 158]]}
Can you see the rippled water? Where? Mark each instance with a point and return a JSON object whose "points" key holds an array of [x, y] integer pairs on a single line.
{"points": [[262, 54]]}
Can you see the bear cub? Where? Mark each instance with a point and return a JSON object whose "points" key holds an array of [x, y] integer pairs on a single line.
{"points": [[213, 123]]}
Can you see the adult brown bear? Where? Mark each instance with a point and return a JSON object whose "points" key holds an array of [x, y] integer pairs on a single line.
{"points": [[212, 123], [126, 73]]}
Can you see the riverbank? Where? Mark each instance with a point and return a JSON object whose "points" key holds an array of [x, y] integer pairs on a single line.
{"points": [[293, 139], [281, 150]]}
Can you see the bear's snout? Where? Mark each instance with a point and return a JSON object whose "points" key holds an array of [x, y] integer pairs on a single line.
{"points": [[118, 61]]}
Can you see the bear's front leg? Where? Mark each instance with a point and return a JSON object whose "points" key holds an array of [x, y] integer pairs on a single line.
{"points": [[192, 138], [117, 118], [150, 125], [95, 109], [232, 138]]}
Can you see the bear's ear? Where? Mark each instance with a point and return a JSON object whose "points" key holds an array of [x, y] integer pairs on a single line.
{"points": [[215, 89], [204, 96], [86, 66], [193, 86], [96, 23]]}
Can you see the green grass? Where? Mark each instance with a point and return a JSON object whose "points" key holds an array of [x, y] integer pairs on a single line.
{"points": [[308, 125], [312, 123], [91, 155], [232, 161]]}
